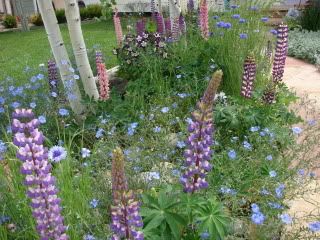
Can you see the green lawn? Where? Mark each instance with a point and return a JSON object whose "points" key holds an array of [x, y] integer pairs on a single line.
{"points": [[21, 49]]}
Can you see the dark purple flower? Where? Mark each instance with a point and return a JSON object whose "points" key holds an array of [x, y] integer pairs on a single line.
{"points": [[167, 24], [40, 183], [242, 20], [248, 77], [227, 25], [160, 23], [140, 27], [236, 16], [198, 153], [243, 35], [265, 19]]}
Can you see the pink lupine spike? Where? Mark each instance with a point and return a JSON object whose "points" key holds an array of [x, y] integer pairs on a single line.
{"points": [[103, 81], [118, 28], [204, 19], [248, 77], [280, 54]]}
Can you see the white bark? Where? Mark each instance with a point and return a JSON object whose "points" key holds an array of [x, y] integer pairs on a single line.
{"points": [[8, 7], [174, 11], [79, 48], [60, 54]]}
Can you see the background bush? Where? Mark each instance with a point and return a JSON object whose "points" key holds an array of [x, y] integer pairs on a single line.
{"points": [[10, 21], [36, 20], [310, 19], [61, 16]]}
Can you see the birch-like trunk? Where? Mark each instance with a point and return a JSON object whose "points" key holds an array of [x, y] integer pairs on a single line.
{"points": [[60, 54], [174, 11], [79, 48]]}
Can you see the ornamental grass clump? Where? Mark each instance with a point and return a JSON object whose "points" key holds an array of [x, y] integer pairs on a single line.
{"points": [[126, 220], [248, 77], [280, 53], [41, 188], [198, 152]]}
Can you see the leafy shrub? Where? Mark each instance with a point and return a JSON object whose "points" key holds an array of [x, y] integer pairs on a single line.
{"points": [[36, 20], [310, 19], [61, 16], [305, 45], [91, 11], [10, 21]]}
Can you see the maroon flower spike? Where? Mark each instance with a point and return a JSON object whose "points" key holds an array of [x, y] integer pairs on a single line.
{"points": [[269, 95], [140, 27], [280, 54], [41, 188], [248, 77], [167, 23]]}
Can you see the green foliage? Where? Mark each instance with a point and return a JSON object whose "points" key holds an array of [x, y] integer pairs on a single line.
{"points": [[91, 11], [36, 19], [61, 15], [107, 8], [305, 45], [310, 19], [10, 21]]}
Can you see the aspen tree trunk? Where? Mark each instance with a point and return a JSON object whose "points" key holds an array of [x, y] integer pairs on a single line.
{"points": [[60, 54], [79, 48], [174, 11]]}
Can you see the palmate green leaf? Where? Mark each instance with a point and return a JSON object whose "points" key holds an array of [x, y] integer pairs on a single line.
{"points": [[155, 222]]}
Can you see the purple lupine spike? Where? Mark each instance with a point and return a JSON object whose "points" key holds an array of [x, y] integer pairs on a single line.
{"points": [[190, 6], [126, 220], [140, 27], [182, 24], [53, 78], [198, 152], [41, 188], [248, 77], [269, 95], [280, 54], [160, 23], [167, 24]]}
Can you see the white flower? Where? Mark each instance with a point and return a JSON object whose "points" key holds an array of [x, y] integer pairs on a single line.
{"points": [[57, 153]]}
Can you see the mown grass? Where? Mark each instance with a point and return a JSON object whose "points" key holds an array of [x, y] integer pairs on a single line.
{"points": [[28, 49]]}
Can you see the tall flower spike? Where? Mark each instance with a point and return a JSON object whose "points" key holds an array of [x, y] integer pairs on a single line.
{"points": [[40, 183], [280, 54], [160, 23], [204, 19], [126, 220], [198, 152], [182, 24], [140, 27], [269, 94], [53, 78], [99, 58], [248, 77], [190, 6], [118, 28], [103, 82], [167, 23]]}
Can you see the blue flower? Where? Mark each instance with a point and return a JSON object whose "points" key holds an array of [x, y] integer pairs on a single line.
{"points": [[42, 119], [4, 219], [157, 129], [227, 25], [236, 16], [232, 154], [152, 175], [285, 218], [178, 76], [85, 152], [269, 157], [314, 226], [204, 235], [63, 112], [242, 20], [274, 31], [181, 144], [243, 36], [234, 6], [296, 130], [228, 191], [99, 133], [1, 110], [258, 218], [132, 128], [215, 17], [272, 174], [264, 192], [279, 190], [253, 8], [254, 129], [255, 208], [94, 203], [275, 205], [301, 172], [15, 104], [57, 153], [89, 237], [2, 100], [175, 172], [265, 19], [3, 149], [220, 24], [165, 109], [33, 105], [262, 133], [247, 145], [312, 122]]}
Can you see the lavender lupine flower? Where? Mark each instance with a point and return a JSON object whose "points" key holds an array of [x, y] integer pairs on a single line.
{"points": [[160, 23], [198, 152], [190, 6], [53, 78], [280, 54], [126, 221], [248, 77], [40, 183], [167, 24], [140, 27]]}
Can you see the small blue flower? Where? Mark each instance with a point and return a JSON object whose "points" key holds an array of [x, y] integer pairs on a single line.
{"points": [[247, 145], [279, 190], [236, 16], [204, 235], [33, 105], [264, 192], [165, 109], [57, 153], [2, 100], [242, 20], [227, 25], [243, 36], [272, 174], [312, 122], [220, 24], [85, 152], [254, 129], [255, 208], [258, 218], [181, 144], [99, 133], [314, 226], [94, 203], [182, 95], [285, 218], [4, 219], [228, 191], [274, 31], [63, 112], [42, 119], [1, 110], [152, 175], [269, 157], [178, 76], [3, 149], [265, 19], [253, 8], [15, 104], [234, 6], [157, 129], [131, 128], [301, 172], [296, 130], [175, 172], [232, 154], [89, 237], [262, 133], [275, 205], [215, 17]]}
